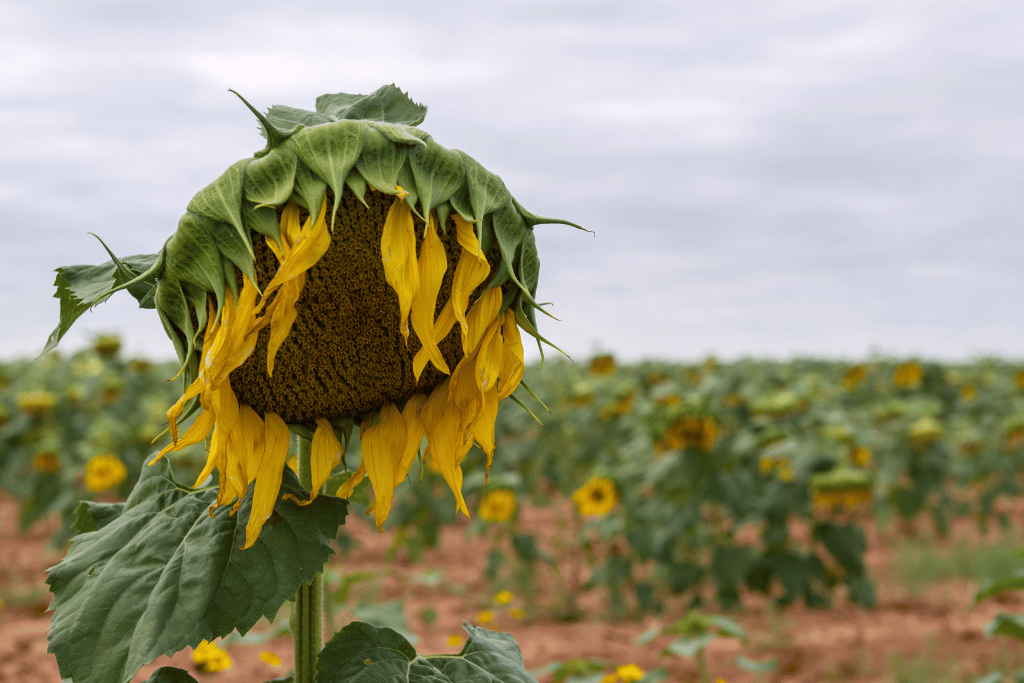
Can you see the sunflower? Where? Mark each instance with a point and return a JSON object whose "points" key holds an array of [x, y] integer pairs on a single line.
{"points": [[597, 497], [353, 273]]}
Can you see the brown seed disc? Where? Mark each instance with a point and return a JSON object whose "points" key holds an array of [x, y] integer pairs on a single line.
{"points": [[345, 356]]}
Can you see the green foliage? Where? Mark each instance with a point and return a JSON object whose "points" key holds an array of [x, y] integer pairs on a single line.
{"points": [[160, 573], [362, 653]]}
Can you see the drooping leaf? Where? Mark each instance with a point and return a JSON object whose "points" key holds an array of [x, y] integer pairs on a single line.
{"points": [[193, 256], [438, 174], [1006, 624], [269, 179], [387, 103], [165, 574], [362, 653], [79, 287], [330, 151], [990, 588]]}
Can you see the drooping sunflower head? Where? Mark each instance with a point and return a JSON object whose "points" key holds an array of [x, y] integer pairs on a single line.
{"points": [[352, 273]]}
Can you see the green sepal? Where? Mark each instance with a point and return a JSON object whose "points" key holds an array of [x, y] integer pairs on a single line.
{"points": [[363, 653], [519, 402], [311, 188], [407, 183], [381, 162], [357, 183], [264, 220], [274, 134], [81, 287], [165, 574], [269, 179], [173, 307], [530, 328], [193, 256], [221, 200], [533, 219], [330, 152], [534, 395], [487, 192], [387, 103], [235, 253], [438, 174]]}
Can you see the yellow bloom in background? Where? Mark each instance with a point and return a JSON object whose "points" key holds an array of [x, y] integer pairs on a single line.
{"points": [[47, 462], [609, 678], [1018, 379], [517, 613], [270, 658], [854, 376], [968, 393], [860, 456], [597, 497], [503, 597], [104, 472], [455, 640], [485, 617], [693, 431], [622, 406], [778, 465], [603, 365], [209, 658], [907, 376], [498, 505], [107, 345], [37, 403], [629, 673]]}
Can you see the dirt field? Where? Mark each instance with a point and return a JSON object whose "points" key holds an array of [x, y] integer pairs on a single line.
{"points": [[936, 629]]}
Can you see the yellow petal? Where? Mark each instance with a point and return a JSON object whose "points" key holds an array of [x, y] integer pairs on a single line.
{"points": [[308, 249], [465, 232], [346, 489], [383, 445], [488, 361], [512, 363], [469, 273], [445, 435], [268, 477], [251, 428], [414, 431], [199, 430], [483, 314], [398, 253], [433, 262], [483, 426], [282, 314], [325, 453]]}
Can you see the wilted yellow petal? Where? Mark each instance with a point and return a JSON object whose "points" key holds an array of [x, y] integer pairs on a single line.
{"points": [[481, 318], [268, 476], [414, 432], [383, 445], [199, 430], [512, 362], [465, 232], [433, 263], [483, 426], [346, 489], [398, 253], [325, 453], [282, 314], [308, 249], [250, 429], [469, 273]]}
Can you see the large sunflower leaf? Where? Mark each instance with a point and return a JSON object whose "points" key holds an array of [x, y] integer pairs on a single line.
{"points": [[269, 179], [363, 653], [486, 191], [79, 287], [387, 103], [164, 574], [193, 256], [310, 188], [438, 173]]}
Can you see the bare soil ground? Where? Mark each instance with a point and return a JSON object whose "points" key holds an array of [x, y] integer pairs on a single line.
{"points": [[938, 628]]}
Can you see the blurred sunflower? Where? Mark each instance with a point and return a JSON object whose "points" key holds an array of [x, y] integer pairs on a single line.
{"points": [[597, 497], [104, 472], [353, 272], [497, 506]]}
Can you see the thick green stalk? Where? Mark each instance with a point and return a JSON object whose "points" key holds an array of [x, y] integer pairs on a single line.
{"points": [[308, 613]]}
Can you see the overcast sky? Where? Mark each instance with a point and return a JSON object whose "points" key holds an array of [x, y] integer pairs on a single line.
{"points": [[764, 177]]}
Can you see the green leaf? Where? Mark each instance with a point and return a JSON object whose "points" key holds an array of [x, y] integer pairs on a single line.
{"points": [[1006, 624], [193, 256], [165, 574], [756, 667], [170, 674], [390, 614], [90, 516], [387, 103], [990, 588], [269, 179], [80, 287], [330, 152], [486, 191], [221, 200], [311, 189], [381, 162], [288, 120], [362, 653], [438, 174], [689, 647]]}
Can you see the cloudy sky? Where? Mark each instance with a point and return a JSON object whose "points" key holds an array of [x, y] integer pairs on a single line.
{"points": [[764, 177]]}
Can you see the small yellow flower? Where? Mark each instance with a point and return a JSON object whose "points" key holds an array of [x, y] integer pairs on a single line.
{"points": [[503, 598], [209, 658], [104, 472], [854, 376], [968, 393], [456, 640], [46, 462], [629, 673], [609, 678], [777, 465], [860, 456], [908, 376], [602, 365], [270, 658], [485, 617], [497, 506], [622, 406], [37, 403], [691, 430], [596, 497]]}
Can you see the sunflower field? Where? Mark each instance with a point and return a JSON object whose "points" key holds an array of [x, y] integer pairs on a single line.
{"points": [[675, 480]]}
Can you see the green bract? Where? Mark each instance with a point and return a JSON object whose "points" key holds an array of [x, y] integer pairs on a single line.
{"points": [[353, 141]]}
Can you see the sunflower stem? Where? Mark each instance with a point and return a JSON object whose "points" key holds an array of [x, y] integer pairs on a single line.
{"points": [[308, 613]]}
